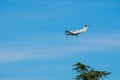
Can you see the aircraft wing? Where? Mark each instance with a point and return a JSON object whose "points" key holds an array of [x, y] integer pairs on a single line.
{"points": [[68, 32], [71, 32]]}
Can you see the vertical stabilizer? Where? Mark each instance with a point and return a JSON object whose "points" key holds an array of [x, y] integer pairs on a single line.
{"points": [[85, 28]]}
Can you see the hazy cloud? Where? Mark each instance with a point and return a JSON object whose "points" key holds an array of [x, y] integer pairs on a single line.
{"points": [[15, 51]]}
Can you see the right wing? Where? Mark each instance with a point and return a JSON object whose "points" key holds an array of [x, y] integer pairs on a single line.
{"points": [[68, 32]]}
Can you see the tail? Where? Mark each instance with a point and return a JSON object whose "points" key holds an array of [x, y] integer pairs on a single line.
{"points": [[85, 28]]}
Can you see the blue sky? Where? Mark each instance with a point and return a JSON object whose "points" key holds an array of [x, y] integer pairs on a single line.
{"points": [[33, 45]]}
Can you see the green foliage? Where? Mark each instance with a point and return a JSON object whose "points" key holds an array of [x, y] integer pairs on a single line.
{"points": [[87, 73]]}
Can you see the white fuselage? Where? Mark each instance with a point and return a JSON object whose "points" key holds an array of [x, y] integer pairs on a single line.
{"points": [[76, 32], [79, 31]]}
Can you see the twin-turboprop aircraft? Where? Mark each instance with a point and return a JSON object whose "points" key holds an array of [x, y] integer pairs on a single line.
{"points": [[76, 32]]}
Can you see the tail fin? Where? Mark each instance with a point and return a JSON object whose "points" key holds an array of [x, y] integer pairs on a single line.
{"points": [[86, 26]]}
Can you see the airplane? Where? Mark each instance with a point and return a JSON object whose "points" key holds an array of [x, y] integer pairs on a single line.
{"points": [[76, 32]]}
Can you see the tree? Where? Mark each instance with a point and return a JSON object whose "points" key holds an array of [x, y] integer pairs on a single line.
{"points": [[87, 73]]}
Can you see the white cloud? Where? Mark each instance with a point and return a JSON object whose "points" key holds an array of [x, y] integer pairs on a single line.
{"points": [[16, 51]]}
